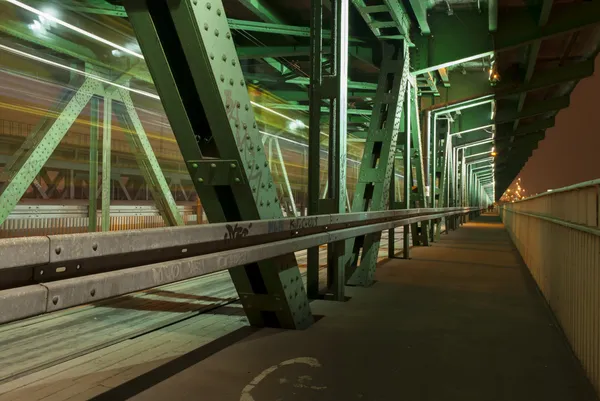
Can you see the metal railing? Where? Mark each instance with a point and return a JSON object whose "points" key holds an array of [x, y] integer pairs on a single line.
{"points": [[558, 236], [48, 273], [28, 220]]}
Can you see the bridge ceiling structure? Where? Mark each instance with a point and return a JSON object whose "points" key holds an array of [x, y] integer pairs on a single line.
{"points": [[524, 57]]}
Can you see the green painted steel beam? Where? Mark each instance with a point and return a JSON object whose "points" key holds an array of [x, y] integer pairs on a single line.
{"points": [[106, 163], [209, 108], [147, 162], [547, 106], [93, 173], [390, 14], [470, 30], [351, 84], [493, 15], [279, 29], [375, 175], [302, 96], [324, 109], [31, 162], [262, 11], [420, 9], [251, 52]]}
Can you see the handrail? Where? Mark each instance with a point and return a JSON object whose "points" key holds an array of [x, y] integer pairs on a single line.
{"points": [[179, 254], [580, 227], [580, 185]]}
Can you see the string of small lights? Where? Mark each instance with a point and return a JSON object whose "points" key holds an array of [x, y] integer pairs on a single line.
{"points": [[514, 193]]}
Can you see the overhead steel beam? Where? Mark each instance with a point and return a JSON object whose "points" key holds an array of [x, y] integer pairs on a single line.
{"points": [[444, 76], [550, 105], [191, 55], [390, 14], [502, 133], [420, 9], [251, 52], [493, 15], [279, 29], [470, 30], [261, 10], [302, 96], [532, 54], [324, 109], [351, 84]]}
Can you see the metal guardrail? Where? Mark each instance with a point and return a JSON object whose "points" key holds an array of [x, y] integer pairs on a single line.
{"points": [[70, 270], [558, 235]]}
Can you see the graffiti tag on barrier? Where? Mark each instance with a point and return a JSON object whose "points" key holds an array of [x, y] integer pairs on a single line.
{"points": [[236, 231], [231, 260], [304, 223]]}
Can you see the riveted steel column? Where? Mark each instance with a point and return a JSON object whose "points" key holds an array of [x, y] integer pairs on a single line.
{"points": [[31, 160], [372, 188], [314, 137], [147, 162], [93, 173], [332, 86], [192, 58], [391, 203], [106, 163], [408, 180], [338, 132], [420, 234], [432, 130]]}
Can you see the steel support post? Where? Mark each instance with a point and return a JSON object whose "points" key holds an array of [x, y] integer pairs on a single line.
{"points": [[433, 176], [192, 58], [391, 203], [420, 234], [314, 138], [408, 179], [93, 173], [336, 173], [331, 86], [30, 160], [145, 157], [373, 186], [106, 163]]}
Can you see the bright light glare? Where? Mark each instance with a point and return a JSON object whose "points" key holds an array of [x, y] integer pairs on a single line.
{"points": [[75, 70], [48, 16]]}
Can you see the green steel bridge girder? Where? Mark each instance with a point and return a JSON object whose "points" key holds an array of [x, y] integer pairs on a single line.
{"points": [[467, 37], [375, 175], [203, 95], [33, 160]]}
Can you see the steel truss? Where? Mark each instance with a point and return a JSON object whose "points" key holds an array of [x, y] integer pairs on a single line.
{"points": [[192, 58], [376, 169], [28, 162], [332, 86]]}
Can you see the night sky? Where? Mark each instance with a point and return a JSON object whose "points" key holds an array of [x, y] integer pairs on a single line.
{"points": [[570, 153]]}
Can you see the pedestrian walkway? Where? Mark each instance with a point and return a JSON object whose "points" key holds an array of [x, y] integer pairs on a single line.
{"points": [[462, 320]]}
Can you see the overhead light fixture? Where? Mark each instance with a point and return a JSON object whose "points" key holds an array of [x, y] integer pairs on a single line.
{"points": [[296, 124], [48, 16]]}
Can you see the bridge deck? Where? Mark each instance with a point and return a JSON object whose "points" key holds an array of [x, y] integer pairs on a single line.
{"points": [[461, 321]]}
